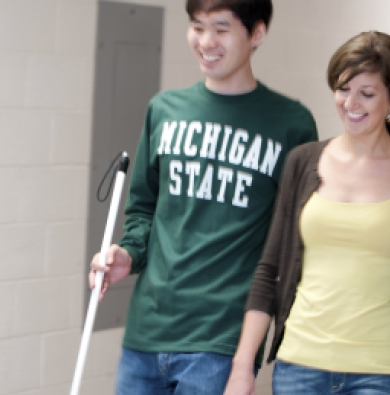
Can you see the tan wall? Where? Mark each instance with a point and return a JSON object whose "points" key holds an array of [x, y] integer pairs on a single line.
{"points": [[46, 74]]}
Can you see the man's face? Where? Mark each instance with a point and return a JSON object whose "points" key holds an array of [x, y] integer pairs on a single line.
{"points": [[223, 48]]}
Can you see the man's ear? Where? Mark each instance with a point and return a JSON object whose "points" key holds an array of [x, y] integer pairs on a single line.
{"points": [[259, 33]]}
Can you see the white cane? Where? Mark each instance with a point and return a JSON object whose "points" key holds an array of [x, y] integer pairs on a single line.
{"points": [[90, 319]]}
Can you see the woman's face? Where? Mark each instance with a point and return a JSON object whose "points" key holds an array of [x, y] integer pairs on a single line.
{"points": [[363, 104]]}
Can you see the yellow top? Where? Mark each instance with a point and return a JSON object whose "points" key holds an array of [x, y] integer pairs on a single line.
{"points": [[340, 319]]}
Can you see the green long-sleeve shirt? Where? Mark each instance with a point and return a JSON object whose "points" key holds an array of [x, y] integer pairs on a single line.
{"points": [[198, 210]]}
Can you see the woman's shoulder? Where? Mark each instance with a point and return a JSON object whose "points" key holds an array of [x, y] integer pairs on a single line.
{"points": [[308, 151], [304, 159]]}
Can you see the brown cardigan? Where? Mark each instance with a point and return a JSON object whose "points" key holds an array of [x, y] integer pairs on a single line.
{"points": [[282, 256]]}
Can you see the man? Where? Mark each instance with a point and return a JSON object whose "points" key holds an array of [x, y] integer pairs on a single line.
{"points": [[200, 201]]}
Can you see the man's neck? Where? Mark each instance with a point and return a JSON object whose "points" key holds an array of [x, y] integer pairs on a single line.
{"points": [[236, 87]]}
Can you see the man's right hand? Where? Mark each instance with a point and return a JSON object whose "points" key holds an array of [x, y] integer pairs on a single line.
{"points": [[118, 266]]}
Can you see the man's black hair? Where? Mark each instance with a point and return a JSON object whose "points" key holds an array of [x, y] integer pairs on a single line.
{"points": [[249, 12]]}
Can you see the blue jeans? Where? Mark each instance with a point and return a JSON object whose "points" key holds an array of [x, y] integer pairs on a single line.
{"points": [[291, 379], [143, 373]]}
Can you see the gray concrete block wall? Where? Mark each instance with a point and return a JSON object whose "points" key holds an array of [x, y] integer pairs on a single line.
{"points": [[46, 85], [46, 77]]}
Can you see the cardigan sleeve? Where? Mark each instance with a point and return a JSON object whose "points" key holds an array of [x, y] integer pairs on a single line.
{"points": [[263, 290]]}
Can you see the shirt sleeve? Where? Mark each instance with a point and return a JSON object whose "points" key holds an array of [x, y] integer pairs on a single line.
{"points": [[308, 130], [141, 199], [301, 129]]}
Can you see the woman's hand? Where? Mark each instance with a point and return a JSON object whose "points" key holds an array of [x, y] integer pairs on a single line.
{"points": [[241, 381]]}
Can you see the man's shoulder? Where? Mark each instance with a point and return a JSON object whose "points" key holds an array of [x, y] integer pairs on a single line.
{"points": [[283, 102]]}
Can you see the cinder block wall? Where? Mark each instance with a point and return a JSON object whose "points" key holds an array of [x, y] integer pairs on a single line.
{"points": [[46, 78]]}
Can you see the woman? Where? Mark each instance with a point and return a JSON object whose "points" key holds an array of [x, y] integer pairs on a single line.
{"points": [[325, 270]]}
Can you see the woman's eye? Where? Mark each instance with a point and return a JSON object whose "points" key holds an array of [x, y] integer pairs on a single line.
{"points": [[343, 89], [368, 95]]}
